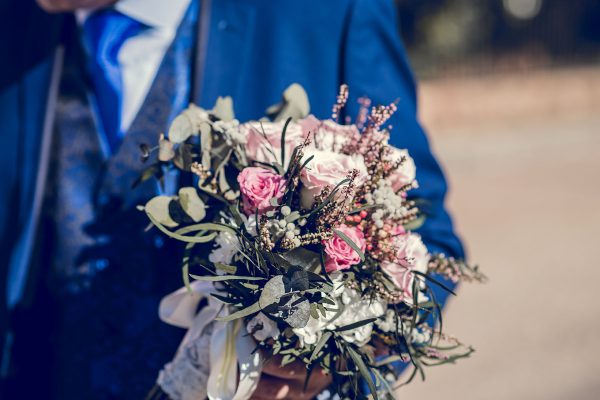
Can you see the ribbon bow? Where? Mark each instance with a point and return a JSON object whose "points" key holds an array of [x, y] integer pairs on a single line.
{"points": [[231, 349]]}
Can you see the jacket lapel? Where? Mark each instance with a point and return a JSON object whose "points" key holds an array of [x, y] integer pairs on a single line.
{"points": [[167, 97], [229, 48]]}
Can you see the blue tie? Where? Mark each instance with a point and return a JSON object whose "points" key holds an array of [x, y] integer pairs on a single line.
{"points": [[104, 33]]}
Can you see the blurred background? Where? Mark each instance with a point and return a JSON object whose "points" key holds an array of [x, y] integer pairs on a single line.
{"points": [[510, 96]]}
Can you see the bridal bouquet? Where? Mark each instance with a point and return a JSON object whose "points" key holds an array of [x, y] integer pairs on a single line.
{"points": [[300, 246]]}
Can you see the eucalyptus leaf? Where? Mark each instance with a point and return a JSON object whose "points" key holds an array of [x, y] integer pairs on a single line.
{"points": [[272, 292], [175, 235], [165, 150], [301, 256], [294, 104], [158, 208], [206, 143], [192, 204], [223, 109], [299, 281], [299, 313], [181, 128]]}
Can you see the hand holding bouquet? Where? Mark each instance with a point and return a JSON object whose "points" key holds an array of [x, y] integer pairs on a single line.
{"points": [[299, 241]]}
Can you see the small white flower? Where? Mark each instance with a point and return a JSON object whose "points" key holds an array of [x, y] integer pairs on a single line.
{"points": [[262, 328], [387, 324], [355, 309], [227, 246]]}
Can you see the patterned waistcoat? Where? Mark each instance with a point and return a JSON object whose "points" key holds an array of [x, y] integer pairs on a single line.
{"points": [[91, 196]]}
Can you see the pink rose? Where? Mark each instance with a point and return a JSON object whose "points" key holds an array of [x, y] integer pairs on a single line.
{"points": [[406, 173], [339, 254], [328, 135], [258, 186], [263, 140], [328, 169], [412, 255]]}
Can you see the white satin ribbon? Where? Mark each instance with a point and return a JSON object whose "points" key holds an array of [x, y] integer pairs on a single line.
{"points": [[230, 346]]}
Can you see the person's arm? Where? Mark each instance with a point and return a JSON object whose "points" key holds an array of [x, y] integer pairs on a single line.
{"points": [[376, 66]]}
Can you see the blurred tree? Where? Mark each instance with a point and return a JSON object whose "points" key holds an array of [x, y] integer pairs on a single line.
{"points": [[494, 34]]}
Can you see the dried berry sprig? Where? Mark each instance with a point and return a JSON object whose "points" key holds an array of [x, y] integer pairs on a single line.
{"points": [[455, 270], [341, 100]]}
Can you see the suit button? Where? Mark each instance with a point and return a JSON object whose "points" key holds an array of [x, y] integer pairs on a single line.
{"points": [[223, 25], [100, 264]]}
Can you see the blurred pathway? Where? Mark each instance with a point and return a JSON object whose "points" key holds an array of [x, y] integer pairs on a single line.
{"points": [[526, 199]]}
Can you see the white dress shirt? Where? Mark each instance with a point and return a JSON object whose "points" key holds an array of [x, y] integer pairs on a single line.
{"points": [[141, 55]]}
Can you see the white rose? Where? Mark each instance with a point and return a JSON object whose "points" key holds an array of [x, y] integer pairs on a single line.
{"points": [[226, 246], [355, 309]]}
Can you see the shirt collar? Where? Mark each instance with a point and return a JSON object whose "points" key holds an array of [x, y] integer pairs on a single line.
{"points": [[160, 14]]}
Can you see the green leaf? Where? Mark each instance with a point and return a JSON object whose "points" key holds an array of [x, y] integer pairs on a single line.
{"points": [[192, 204], [272, 292], [223, 109], [287, 359], [175, 235], [299, 280], [299, 312], [208, 226], [305, 163], [320, 344], [254, 308], [355, 325], [328, 198], [153, 170], [388, 360], [158, 208], [181, 128], [285, 126], [434, 281], [165, 150], [364, 370], [301, 256], [219, 278], [415, 223], [313, 311], [350, 243], [294, 103], [185, 270], [384, 382], [230, 269]]}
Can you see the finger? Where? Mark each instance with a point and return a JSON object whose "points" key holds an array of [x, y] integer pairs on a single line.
{"points": [[295, 370], [270, 387]]}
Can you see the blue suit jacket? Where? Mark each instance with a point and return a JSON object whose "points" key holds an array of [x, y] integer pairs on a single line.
{"points": [[248, 49]]}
